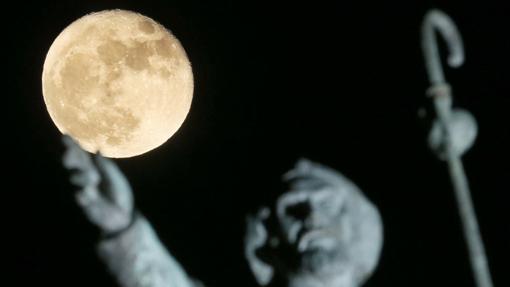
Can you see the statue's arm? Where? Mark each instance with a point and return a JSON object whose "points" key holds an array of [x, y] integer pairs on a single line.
{"points": [[136, 257], [129, 247]]}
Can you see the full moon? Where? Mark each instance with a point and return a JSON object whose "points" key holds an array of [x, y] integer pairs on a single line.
{"points": [[117, 82]]}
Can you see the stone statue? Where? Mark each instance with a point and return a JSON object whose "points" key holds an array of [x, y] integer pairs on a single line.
{"points": [[323, 232]]}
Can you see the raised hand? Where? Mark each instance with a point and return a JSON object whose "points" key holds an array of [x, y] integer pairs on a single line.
{"points": [[256, 237], [104, 193]]}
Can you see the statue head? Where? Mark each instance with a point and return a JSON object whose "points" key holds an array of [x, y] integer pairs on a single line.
{"points": [[321, 232]]}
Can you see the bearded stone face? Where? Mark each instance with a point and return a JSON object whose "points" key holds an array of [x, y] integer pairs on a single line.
{"points": [[314, 222], [330, 234]]}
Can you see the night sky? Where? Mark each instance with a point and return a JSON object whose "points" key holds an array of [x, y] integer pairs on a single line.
{"points": [[339, 82]]}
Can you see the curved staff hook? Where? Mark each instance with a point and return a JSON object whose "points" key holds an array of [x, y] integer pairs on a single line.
{"points": [[437, 20], [440, 92]]}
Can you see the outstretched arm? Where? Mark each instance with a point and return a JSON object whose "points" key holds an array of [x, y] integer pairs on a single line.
{"points": [[130, 247]]}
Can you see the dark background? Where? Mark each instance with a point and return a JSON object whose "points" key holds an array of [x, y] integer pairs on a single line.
{"points": [[338, 82]]}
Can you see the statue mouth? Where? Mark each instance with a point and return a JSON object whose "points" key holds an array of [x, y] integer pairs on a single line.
{"points": [[315, 239]]}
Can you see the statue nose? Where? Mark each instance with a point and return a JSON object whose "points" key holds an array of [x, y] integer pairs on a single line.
{"points": [[311, 221], [314, 219], [299, 211], [307, 212]]}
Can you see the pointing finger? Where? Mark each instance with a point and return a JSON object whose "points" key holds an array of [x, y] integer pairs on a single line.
{"points": [[75, 156]]}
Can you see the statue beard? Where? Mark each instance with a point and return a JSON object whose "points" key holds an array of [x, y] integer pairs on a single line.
{"points": [[321, 267], [321, 262]]}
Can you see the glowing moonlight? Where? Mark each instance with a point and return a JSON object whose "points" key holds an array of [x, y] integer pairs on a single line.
{"points": [[118, 83]]}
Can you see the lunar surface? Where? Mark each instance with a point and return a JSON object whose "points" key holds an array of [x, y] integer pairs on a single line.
{"points": [[118, 83]]}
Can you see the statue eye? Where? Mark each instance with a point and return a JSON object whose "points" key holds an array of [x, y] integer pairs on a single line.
{"points": [[299, 210]]}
